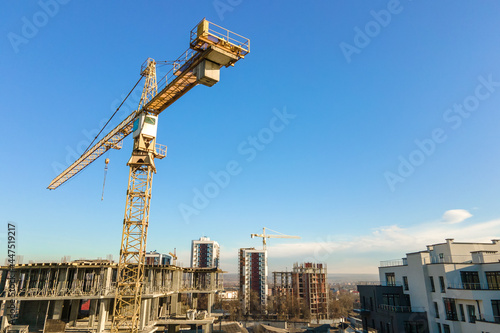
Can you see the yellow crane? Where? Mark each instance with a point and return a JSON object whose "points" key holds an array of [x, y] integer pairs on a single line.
{"points": [[174, 257], [211, 48], [266, 236]]}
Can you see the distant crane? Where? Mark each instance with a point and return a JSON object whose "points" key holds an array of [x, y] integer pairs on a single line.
{"points": [[174, 257], [266, 236]]}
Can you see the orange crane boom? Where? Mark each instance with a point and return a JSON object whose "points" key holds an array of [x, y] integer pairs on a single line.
{"points": [[208, 42]]}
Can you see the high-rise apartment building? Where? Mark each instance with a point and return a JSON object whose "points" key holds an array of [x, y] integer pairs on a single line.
{"points": [[252, 266], [205, 253], [451, 287], [309, 284]]}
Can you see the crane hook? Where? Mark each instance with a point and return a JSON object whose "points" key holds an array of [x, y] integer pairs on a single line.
{"points": [[105, 172]]}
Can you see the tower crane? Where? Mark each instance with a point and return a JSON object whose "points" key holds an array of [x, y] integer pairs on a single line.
{"points": [[266, 236], [211, 48]]}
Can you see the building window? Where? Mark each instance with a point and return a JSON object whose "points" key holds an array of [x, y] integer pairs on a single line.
{"points": [[436, 310], [371, 304], [493, 279], [439, 328], [462, 313], [390, 279], [470, 280], [446, 328], [450, 309], [471, 312], [414, 327], [495, 305], [390, 299], [405, 282], [433, 289], [441, 283]]}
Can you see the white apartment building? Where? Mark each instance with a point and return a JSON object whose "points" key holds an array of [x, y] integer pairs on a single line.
{"points": [[205, 253], [456, 284]]}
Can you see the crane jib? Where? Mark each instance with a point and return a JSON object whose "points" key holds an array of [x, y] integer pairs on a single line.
{"points": [[182, 78]]}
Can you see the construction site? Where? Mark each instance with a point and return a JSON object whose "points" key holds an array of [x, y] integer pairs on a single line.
{"points": [[52, 296]]}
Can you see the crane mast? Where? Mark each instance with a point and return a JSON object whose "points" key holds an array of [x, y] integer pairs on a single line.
{"points": [[136, 220], [211, 47]]}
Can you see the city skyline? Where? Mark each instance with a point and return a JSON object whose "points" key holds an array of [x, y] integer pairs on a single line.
{"points": [[367, 129]]}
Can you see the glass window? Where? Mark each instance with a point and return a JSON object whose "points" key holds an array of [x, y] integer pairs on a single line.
{"points": [[450, 309], [470, 280], [441, 283], [414, 327], [471, 312], [493, 279], [462, 313], [495, 304], [150, 120], [405, 282], [446, 328], [390, 279], [390, 299], [439, 328], [433, 289], [436, 310]]}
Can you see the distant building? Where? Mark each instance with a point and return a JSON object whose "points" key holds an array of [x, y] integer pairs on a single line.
{"points": [[306, 284], [205, 253], [155, 258], [450, 287], [252, 266], [309, 284]]}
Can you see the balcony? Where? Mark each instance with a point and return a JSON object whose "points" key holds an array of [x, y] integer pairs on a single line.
{"points": [[471, 286], [400, 308], [394, 262]]}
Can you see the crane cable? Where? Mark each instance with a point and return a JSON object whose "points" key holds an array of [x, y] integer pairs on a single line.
{"points": [[118, 108]]}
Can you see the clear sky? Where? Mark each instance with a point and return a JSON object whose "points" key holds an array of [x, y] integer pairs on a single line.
{"points": [[368, 128]]}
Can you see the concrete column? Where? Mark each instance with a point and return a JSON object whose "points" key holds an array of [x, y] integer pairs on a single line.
{"points": [[58, 307], [92, 312], [174, 304], [173, 328], [73, 315], [63, 276], [142, 315], [194, 301], [208, 328], [210, 302], [148, 311], [155, 304], [102, 315], [107, 279]]}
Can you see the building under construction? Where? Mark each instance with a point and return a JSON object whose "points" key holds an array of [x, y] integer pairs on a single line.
{"points": [[306, 285], [80, 296]]}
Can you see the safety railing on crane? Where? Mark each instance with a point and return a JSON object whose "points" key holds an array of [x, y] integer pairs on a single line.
{"points": [[182, 62], [218, 35]]}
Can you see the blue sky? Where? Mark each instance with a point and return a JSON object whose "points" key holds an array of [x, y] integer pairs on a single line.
{"points": [[385, 114]]}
